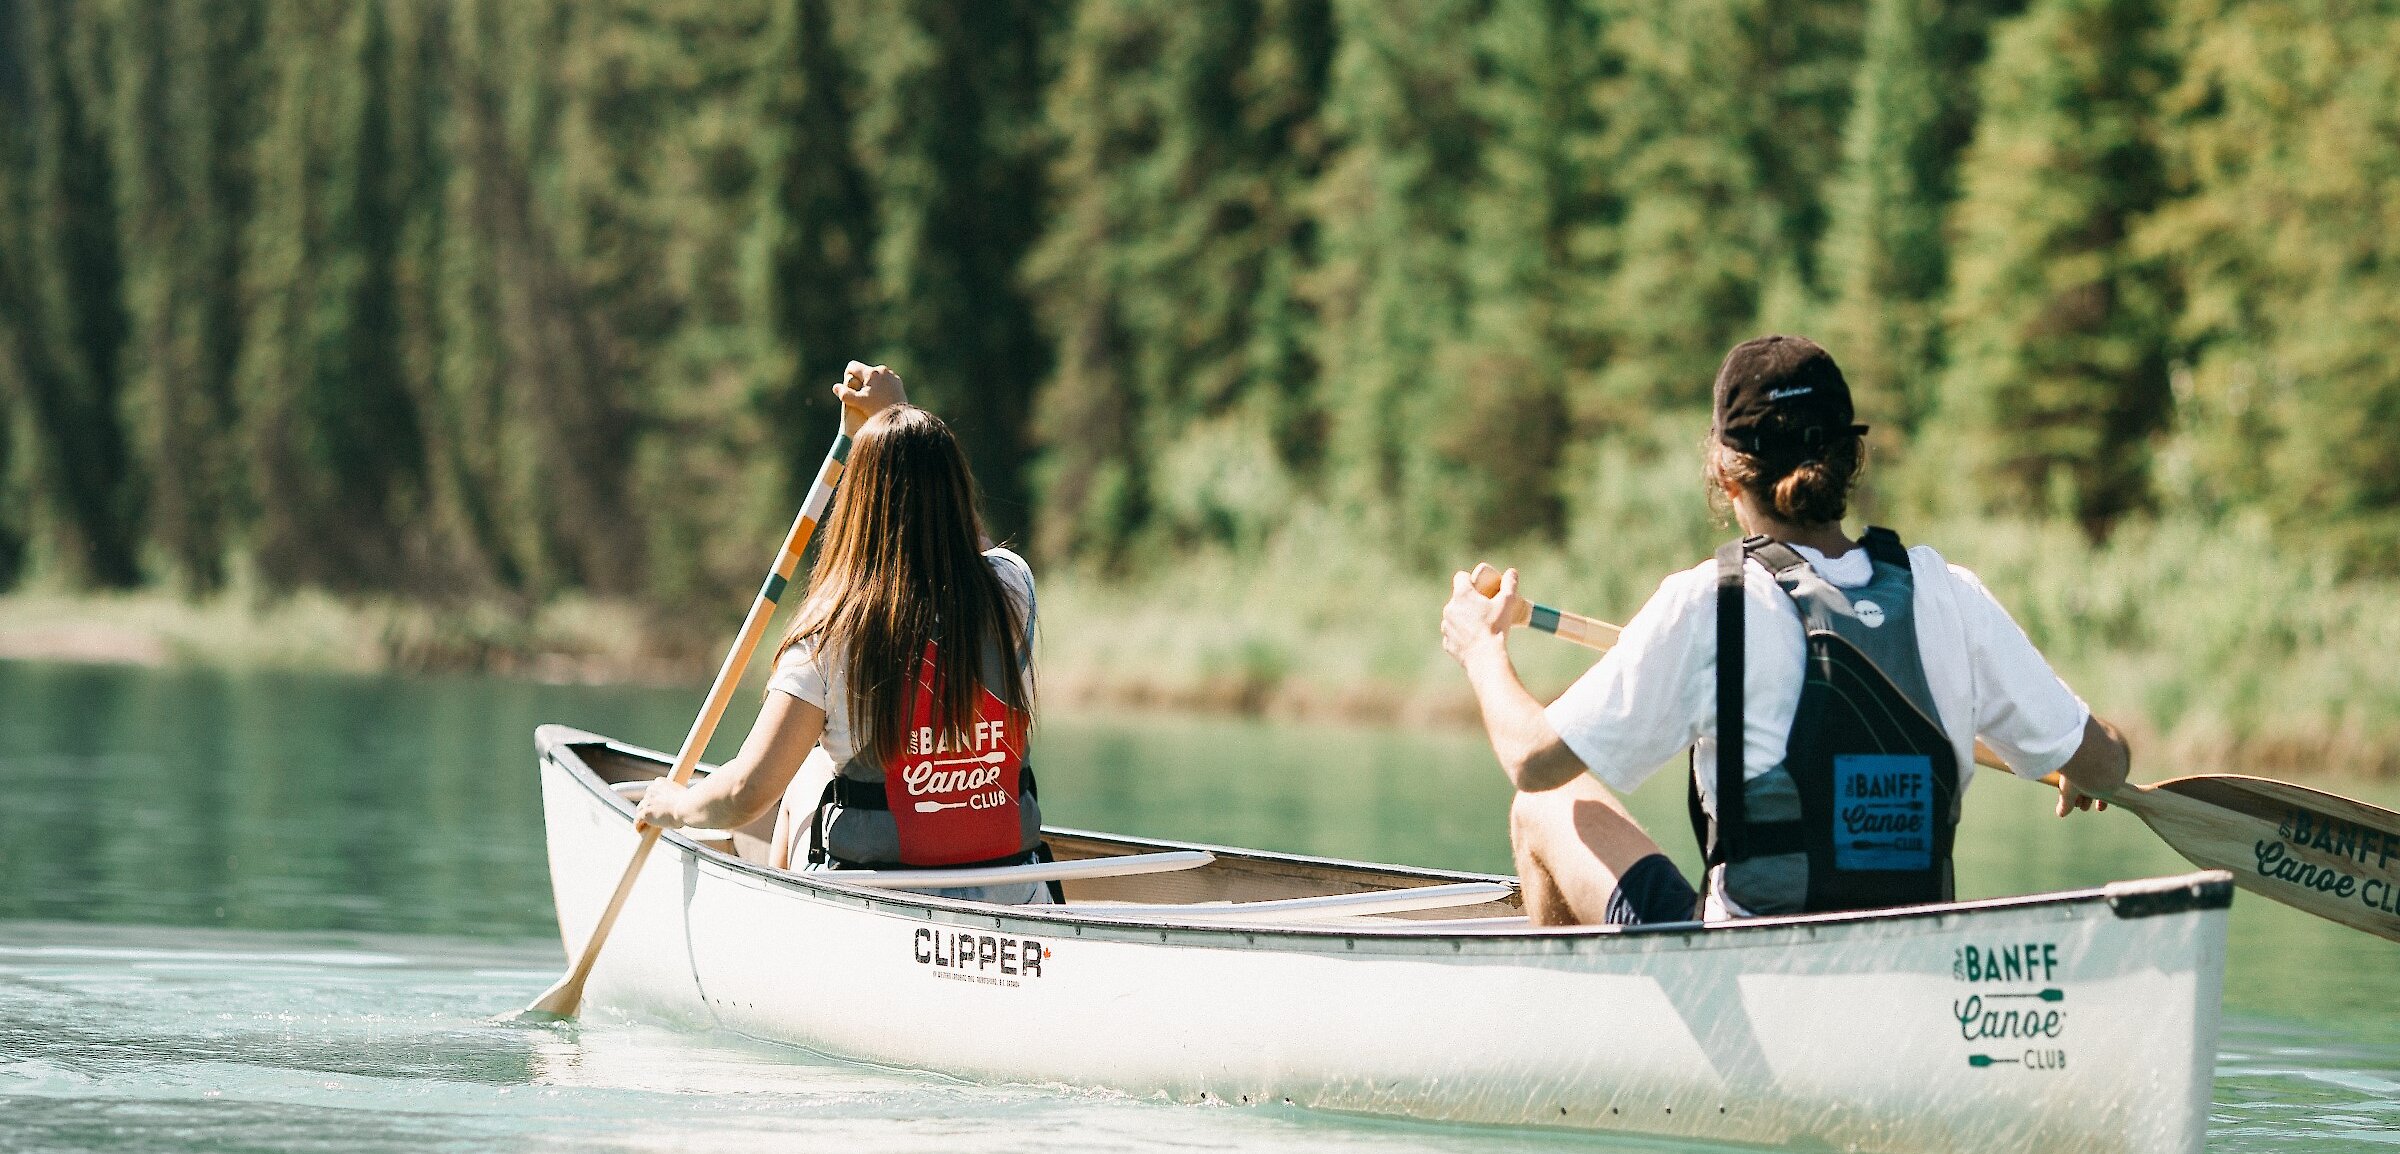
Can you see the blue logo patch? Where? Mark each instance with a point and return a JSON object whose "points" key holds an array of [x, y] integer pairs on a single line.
{"points": [[1883, 811]]}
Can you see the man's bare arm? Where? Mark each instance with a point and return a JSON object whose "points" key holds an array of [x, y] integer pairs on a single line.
{"points": [[1475, 631], [2097, 769]]}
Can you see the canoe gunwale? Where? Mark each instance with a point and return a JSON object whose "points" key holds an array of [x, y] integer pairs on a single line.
{"points": [[2147, 897]]}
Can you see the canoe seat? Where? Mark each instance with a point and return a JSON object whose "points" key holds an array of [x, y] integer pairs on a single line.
{"points": [[1311, 909]]}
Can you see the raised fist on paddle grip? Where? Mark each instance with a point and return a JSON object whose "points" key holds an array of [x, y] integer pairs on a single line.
{"points": [[864, 391], [1472, 621]]}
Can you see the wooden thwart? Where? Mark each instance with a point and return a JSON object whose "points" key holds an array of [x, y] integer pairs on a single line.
{"points": [[1129, 865], [1437, 897]]}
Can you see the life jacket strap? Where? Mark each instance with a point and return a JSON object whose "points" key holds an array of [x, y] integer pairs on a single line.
{"points": [[1884, 545], [1780, 559], [1729, 822]]}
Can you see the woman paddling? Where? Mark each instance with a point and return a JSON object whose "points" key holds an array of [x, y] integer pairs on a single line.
{"points": [[1858, 672], [909, 671]]}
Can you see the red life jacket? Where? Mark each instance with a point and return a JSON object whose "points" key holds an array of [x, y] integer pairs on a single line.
{"points": [[956, 805]]}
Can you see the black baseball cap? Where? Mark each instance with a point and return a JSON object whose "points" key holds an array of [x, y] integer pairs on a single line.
{"points": [[1782, 394]]}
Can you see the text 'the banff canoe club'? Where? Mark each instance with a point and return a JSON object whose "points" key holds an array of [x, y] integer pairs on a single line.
{"points": [[1991, 1018]]}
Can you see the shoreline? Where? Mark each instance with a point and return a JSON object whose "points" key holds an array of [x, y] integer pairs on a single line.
{"points": [[1102, 650], [589, 643]]}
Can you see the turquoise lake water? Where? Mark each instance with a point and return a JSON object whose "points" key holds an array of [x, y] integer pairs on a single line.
{"points": [[273, 912]]}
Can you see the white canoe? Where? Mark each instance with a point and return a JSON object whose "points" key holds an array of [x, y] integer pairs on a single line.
{"points": [[2083, 1020]]}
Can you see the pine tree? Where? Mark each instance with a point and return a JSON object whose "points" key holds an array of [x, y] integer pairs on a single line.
{"points": [[816, 224], [455, 548], [17, 491], [1540, 224], [337, 456], [1885, 248], [545, 376], [62, 298], [1725, 128], [2058, 380], [950, 137], [1886, 259], [2284, 135], [1393, 292], [185, 114], [654, 187], [1180, 406]]}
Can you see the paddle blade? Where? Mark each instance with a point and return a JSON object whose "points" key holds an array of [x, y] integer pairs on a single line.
{"points": [[2329, 855], [557, 1004]]}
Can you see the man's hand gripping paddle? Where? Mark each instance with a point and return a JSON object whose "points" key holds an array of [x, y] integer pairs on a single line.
{"points": [[2329, 855]]}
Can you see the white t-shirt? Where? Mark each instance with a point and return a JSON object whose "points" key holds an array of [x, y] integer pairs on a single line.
{"points": [[1655, 693], [803, 673]]}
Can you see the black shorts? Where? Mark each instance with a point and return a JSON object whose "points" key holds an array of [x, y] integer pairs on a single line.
{"points": [[1652, 891]]}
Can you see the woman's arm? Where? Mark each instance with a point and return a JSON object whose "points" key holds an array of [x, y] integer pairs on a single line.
{"points": [[743, 789]]}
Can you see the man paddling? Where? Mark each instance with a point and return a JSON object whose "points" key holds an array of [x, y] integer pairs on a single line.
{"points": [[1858, 672]]}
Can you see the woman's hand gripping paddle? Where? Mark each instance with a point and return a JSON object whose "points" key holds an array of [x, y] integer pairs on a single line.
{"points": [[2323, 853], [562, 1000]]}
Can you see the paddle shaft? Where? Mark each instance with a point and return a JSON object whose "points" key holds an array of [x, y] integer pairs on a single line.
{"points": [[563, 999], [2326, 854]]}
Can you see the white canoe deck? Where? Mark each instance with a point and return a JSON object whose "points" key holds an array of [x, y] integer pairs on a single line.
{"points": [[1928, 1029]]}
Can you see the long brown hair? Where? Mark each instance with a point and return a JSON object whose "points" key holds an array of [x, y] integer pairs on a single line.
{"points": [[902, 564]]}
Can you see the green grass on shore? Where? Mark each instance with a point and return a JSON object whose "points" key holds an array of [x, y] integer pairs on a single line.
{"points": [[572, 639], [2214, 648]]}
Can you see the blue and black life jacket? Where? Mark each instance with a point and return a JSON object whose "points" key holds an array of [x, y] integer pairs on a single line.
{"points": [[1861, 812]]}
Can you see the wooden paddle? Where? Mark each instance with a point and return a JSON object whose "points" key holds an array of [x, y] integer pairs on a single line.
{"points": [[2315, 851], [562, 1000]]}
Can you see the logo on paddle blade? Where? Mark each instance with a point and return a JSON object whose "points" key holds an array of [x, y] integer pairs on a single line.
{"points": [[2331, 840]]}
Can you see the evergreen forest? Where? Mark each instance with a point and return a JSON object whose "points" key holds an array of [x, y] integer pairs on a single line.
{"points": [[441, 299]]}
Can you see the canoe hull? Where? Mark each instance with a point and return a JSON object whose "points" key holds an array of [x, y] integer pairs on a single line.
{"points": [[2070, 1022]]}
